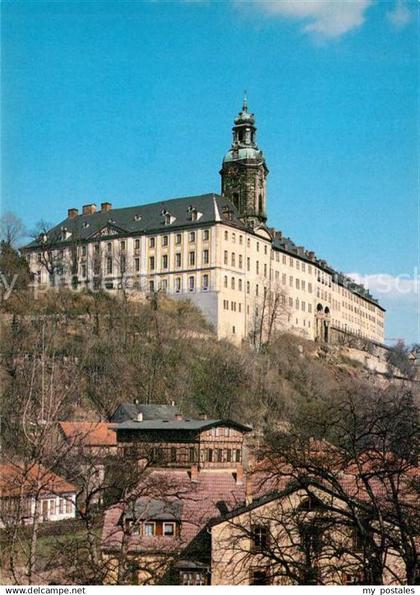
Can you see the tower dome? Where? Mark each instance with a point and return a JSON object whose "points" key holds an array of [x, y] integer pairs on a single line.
{"points": [[244, 170]]}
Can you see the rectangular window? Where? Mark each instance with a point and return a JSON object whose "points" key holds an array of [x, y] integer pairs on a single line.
{"points": [[191, 258], [152, 242], [232, 283], [84, 251], [240, 240], [173, 454], [226, 235], [209, 453], [165, 261], [191, 283], [109, 266], [205, 235], [152, 263], [169, 529], [205, 282], [60, 506], [205, 256], [248, 264], [192, 236], [137, 244], [109, 247], [151, 286], [69, 506], [122, 265], [137, 264], [248, 286], [240, 261], [52, 507], [219, 455], [257, 267], [240, 284], [178, 260], [192, 455], [122, 246], [149, 529], [259, 536], [83, 270], [233, 259], [164, 240], [178, 238], [177, 284], [225, 257]]}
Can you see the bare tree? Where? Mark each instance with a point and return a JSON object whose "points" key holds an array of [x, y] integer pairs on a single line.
{"points": [[12, 229]]}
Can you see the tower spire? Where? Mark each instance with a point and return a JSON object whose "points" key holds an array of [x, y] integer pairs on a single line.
{"points": [[245, 102]]}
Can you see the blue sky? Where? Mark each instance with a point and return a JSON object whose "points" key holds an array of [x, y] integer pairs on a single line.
{"points": [[133, 102]]}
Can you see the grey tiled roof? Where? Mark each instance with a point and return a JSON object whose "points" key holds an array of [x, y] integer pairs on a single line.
{"points": [[127, 411], [147, 218]]}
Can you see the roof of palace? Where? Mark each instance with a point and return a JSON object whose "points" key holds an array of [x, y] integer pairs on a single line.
{"points": [[177, 213]]}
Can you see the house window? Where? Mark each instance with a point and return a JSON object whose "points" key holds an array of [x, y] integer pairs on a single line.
{"points": [[209, 453], [233, 259], [248, 286], [205, 282], [122, 265], [219, 455], [192, 236], [205, 256], [122, 246], [259, 577], [109, 247], [225, 257], [232, 283], [178, 284], [152, 263], [165, 261], [83, 270], [52, 507], [149, 529], [205, 235], [109, 265], [151, 286], [248, 264], [69, 506], [240, 261], [228, 455], [173, 454], [191, 283], [169, 529], [164, 240], [259, 536], [152, 242], [84, 251], [178, 238], [164, 285], [178, 259], [225, 281], [191, 258], [60, 506], [240, 284], [137, 264], [137, 244], [233, 330], [257, 267], [192, 455], [226, 235]]}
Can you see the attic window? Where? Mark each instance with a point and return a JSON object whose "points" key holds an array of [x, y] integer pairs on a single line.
{"points": [[168, 218], [194, 214], [137, 217]]}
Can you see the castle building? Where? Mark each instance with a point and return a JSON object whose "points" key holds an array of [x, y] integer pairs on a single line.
{"points": [[248, 279]]}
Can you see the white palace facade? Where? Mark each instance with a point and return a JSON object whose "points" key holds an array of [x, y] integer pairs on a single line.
{"points": [[216, 250]]}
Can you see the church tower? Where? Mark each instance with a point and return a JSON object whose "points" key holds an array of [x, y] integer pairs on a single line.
{"points": [[244, 170]]}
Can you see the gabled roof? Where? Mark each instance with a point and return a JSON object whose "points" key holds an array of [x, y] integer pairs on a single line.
{"points": [[88, 433], [142, 219], [127, 411], [15, 479]]}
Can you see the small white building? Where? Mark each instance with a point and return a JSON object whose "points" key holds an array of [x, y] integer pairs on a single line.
{"points": [[28, 492]]}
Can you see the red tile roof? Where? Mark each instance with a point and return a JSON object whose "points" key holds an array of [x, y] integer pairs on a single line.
{"points": [[16, 480], [88, 433]]}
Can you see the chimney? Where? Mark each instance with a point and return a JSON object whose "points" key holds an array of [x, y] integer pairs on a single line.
{"points": [[239, 474], [178, 416], [194, 472], [311, 255], [248, 490], [106, 206], [89, 209], [136, 401], [139, 416], [72, 213], [172, 403]]}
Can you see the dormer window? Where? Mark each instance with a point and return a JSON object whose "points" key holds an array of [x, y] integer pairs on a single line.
{"points": [[169, 529], [137, 217], [194, 214], [85, 225], [168, 218]]}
